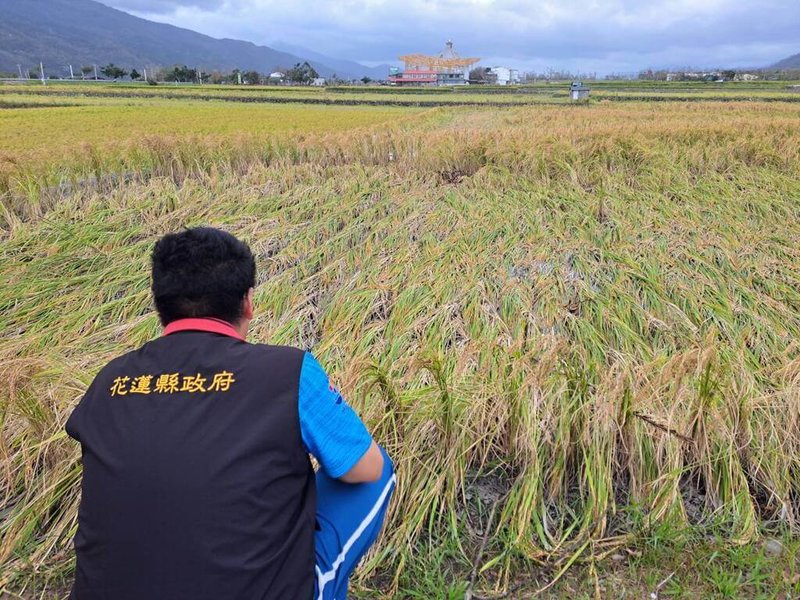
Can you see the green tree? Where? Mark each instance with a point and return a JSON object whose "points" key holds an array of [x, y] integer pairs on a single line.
{"points": [[135, 74], [365, 80], [234, 77], [112, 71], [251, 77], [178, 73], [86, 69], [302, 73]]}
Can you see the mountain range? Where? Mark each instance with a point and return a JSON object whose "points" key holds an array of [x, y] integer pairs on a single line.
{"points": [[339, 65], [792, 62], [60, 33]]}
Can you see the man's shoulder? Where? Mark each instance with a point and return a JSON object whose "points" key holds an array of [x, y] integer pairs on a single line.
{"points": [[288, 360], [162, 343], [272, 350], [250, 356], [262, 347], [258, 353], [278, 366]]}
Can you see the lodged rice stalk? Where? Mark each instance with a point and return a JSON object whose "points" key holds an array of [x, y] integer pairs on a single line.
{"points": [[569, 314]]}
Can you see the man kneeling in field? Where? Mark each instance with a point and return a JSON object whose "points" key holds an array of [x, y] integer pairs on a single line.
{"points": [[197, 482]]}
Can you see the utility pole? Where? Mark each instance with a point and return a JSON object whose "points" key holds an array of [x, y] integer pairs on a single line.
{"points": [[145, 74], [19, 68], [71, 74], [95, 72], [41, 70]]}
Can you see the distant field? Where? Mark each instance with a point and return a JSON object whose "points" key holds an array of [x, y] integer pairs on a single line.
{"points": [[555, 92], [575, 327], [67, 130], [306, 95], [58, 135]]}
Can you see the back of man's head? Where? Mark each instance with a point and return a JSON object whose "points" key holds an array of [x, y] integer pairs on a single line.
{"points": [[201, 272]]}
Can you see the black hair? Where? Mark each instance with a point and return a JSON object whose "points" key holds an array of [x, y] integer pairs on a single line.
{"points": [[201, 272]]}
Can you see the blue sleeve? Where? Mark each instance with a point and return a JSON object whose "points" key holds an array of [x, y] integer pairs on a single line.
{"points": [[331, 430]]}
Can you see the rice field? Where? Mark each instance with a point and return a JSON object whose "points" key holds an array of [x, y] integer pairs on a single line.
{"points": [[575, 328], [58, 141], [556, 92]]}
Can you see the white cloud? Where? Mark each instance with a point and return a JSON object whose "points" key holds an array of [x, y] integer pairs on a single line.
{"points": [[590, 35]]}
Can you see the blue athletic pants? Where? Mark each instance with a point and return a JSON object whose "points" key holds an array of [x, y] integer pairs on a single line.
{"points": [[349, 517]]}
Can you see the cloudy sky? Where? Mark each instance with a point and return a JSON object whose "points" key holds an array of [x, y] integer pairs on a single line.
{"points": [[582, 35]]}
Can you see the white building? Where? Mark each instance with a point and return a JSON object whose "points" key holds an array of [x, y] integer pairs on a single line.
{"points": [[505, 75], [318, 81]]}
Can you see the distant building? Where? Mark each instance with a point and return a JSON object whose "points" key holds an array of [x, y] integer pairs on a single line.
{"points": [[745, 77], [277, 75], [446, 69], [318, 81], [505, 75], [578, 91]]}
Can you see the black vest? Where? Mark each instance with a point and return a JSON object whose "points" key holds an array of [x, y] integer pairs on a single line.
{"points": [[196, 482]]}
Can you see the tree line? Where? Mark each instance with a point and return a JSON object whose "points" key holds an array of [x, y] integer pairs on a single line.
{"points": [[300, 73]]}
